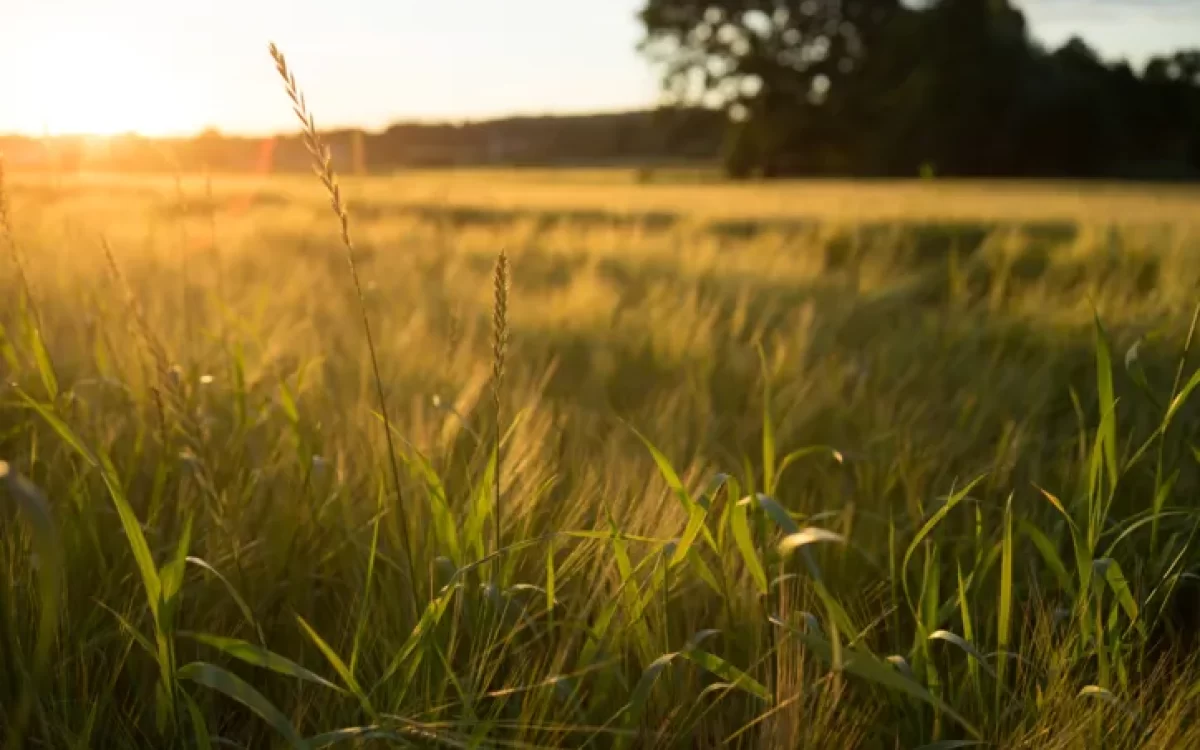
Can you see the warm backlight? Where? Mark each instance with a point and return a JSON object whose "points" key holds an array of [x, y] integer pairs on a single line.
{"points": [[88, 83]]}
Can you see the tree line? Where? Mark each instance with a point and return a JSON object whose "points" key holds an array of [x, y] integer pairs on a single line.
{"points": [[950, 87], [686, 135]]}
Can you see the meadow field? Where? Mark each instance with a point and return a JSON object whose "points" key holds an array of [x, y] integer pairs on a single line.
{"points": [[878, 465]]}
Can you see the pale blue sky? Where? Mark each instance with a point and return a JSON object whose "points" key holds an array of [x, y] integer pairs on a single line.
{"points": [[176, 66]]}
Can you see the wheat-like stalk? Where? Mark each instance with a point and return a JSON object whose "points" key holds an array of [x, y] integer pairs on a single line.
{"points": [[10, 241], [323, 166], [499, 350]]}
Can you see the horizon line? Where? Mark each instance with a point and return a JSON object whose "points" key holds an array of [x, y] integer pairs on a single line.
{"points": [[428, 121]]}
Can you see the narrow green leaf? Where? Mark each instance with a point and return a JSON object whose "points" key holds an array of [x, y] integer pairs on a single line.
{"points": [[1108, 403], [726, 671], [216, 678], [259, 657], [1110, 571], [129, 520], [964, 645], [778, 514], [1049, 555], [172, 571], [408, 652], [799, 454], [45, 365], [1179, 400], [968, 626], [926, 529], [1004, 616], [740, 528], [694, 526], [361, 734], [768, 436], [635, 708], [339, 666], [242, 606], [199, 729], [689, 505]]}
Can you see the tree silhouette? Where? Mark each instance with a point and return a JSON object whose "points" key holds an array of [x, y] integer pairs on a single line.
{"points": [[955, 87]]}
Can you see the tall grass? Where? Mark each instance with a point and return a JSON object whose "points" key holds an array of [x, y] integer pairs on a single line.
{"points": [[323, 166], [843, 486]]}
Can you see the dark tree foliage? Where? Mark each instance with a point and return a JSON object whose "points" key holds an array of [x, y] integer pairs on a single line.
{"points": [[957, 87]]}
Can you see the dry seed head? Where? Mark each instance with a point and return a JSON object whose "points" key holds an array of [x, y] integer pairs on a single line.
{"points": [[321, 155], [500, 316]]}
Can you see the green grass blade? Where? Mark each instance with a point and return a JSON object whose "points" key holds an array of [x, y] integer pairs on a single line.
{"points": [[740, 528], [360, 626], [686, 501], [339, 666], [777, 513], [926, 529], [200, 735], [1049, 555], [216, 678], [408, 652], [768, 428], [1004, 608], [259, 657], [129, 520], [171, 576], [1107, 403], [361, 735], [964, 609], [1180, 399], [726, 671], [1110, 570], [695, 525], [242, 606], [45, 365], [635, 708], [964, 645]]}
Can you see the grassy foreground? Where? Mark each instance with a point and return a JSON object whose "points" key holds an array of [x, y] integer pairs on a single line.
{"points": [[825, 483]]}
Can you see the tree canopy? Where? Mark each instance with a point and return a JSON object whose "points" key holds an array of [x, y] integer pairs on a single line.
{"points": [[956, 87]]}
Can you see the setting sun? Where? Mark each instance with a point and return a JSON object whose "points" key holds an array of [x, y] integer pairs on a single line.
{"points": [[93, 84]]}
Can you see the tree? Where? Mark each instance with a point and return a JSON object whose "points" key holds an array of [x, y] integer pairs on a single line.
{"points": [[956, 87], [783, 70]]}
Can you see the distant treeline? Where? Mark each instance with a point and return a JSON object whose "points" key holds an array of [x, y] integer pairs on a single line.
{"points": [[897, 87], [638, 138]]}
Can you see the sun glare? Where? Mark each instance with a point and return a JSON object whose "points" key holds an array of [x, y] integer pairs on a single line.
{"points": [[96, 84]]}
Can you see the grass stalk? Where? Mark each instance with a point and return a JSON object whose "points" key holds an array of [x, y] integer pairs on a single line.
{"points": [[323, 166], [500, 282]]}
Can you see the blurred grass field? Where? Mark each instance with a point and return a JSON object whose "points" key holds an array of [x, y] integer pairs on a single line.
{"points": [[189, 364]]}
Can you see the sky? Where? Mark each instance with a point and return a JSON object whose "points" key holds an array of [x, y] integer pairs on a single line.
{"points": [[175, 67]]}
